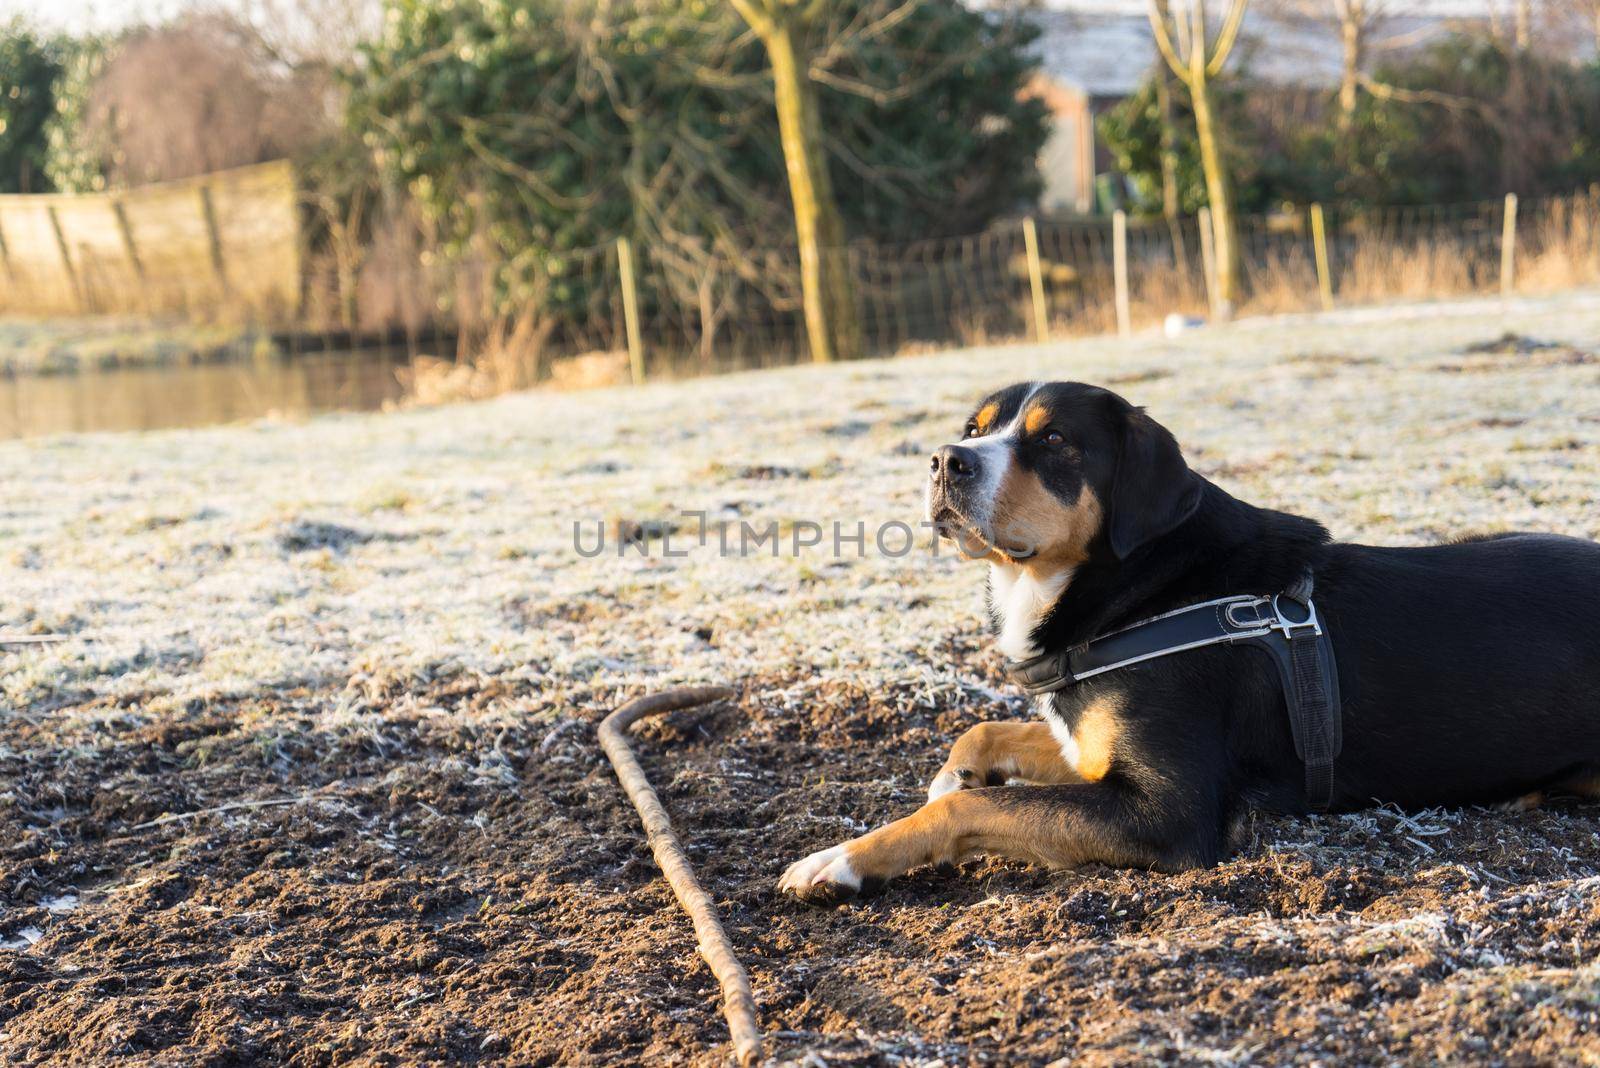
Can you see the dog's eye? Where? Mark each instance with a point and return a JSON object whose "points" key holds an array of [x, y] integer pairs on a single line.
{"points": [[972, 431], [1054, 438]]}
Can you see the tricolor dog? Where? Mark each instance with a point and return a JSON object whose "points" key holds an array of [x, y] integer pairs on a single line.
{"points": [[1194, 657]]}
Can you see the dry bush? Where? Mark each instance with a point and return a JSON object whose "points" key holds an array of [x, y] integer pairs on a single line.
{"points": [[1280, 279], [1559, 248], [513, 349], [1378, 272], [199, 95], [396, 283], [310, 32], [429, 381], [590, 370]]}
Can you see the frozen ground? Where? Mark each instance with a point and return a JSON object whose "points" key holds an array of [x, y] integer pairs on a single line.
{"points": [[381, 625]]}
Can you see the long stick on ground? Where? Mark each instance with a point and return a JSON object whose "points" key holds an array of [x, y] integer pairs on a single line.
{"points": [[738, 1003]]}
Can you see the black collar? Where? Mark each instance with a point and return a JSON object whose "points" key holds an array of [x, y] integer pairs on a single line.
{"points": [[1285, 625]]}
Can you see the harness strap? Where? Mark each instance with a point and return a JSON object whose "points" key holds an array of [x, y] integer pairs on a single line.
{"points": [[1310, 679], [1314, 719], [1284, 626]]}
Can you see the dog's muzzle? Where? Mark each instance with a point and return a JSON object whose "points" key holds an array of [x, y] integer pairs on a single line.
{"points": [[955, 475], [953, 466]]}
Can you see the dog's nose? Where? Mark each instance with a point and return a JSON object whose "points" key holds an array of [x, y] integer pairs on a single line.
{"points": [[952, 463]]}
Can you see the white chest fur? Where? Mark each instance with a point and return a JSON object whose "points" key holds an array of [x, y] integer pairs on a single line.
{"points": [[1045, 707], [1022, 599]]}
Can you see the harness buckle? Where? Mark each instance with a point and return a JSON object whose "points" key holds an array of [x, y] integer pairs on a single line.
{"points": [[1255, 621], [1286, 626]]}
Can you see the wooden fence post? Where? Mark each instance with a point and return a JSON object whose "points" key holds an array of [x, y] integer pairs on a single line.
{"points": [[1119, 270], [1593, 218], [630, 309], [5, 252], [1041, 313], [1319, 241], [120, 210], [66, 258], [1508, 248], [1208, 259], [208, 213]]}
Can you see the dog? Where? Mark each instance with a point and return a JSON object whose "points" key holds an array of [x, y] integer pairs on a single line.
{"points": [[1468, 672]]}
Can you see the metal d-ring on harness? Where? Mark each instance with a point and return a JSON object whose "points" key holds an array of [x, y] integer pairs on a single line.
{"points": [[1284, 625]]}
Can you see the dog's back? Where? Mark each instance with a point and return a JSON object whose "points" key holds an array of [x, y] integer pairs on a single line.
{"points": [[1471, 671]]}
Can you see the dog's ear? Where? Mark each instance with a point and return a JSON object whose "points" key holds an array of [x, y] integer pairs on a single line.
{"points": [[1153, 490]]}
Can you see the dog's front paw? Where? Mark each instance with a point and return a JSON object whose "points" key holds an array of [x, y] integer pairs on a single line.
{"points": [[825, 877]]}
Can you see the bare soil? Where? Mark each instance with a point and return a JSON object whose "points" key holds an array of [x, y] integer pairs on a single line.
{"points": [[429, 894]]}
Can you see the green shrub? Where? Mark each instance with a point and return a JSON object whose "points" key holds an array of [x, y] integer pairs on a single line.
{"points": [[30, 65], [528, 129], [1473, 120], [75, 156], [1517, 122]]}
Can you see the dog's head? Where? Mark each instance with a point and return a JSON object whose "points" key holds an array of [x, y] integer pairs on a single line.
{"points": [[1048, 474]]}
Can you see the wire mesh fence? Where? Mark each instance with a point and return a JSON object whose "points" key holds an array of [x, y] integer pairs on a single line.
{"points": [[980, 289], [562, 315]]}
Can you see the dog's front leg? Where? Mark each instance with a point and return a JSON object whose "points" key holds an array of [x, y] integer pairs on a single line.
{"points": [[1059, 826], [991, 753]]}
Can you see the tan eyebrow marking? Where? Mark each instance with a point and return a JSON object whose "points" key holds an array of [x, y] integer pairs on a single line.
{"points": [[986, 415], [1038, 418]]}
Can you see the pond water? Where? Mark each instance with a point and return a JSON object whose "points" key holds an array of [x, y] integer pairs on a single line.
{"points": [[152, 398]]}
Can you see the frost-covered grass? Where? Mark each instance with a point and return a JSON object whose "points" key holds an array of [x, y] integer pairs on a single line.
{"points": [[386, 548]]}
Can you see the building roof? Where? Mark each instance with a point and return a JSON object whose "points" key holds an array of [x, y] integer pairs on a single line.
{"points": [[1111, 54]]}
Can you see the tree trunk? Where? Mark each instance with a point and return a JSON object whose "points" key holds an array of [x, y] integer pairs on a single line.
{"points": [[1350, 32], [831, 327], [1218, 194], [1513, 137], [1171, 207]]}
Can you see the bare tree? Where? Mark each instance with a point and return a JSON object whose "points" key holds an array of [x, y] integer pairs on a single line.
{"points": [[1362, 27], [1196, 61], [1357, 23], [1355, 18], [1523, 25], [199, 95], [1588, 12], [787, 29], [303, 33], [1576, 24], [1171, 206], [812, 43]]}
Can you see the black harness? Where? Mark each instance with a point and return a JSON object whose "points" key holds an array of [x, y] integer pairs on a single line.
{"points": [[1285, 625]]}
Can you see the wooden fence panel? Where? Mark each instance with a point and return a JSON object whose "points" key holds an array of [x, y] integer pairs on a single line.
{"points": [[35, 272], [93, 241], [259, 230], [171, 235], [219, 245]]}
